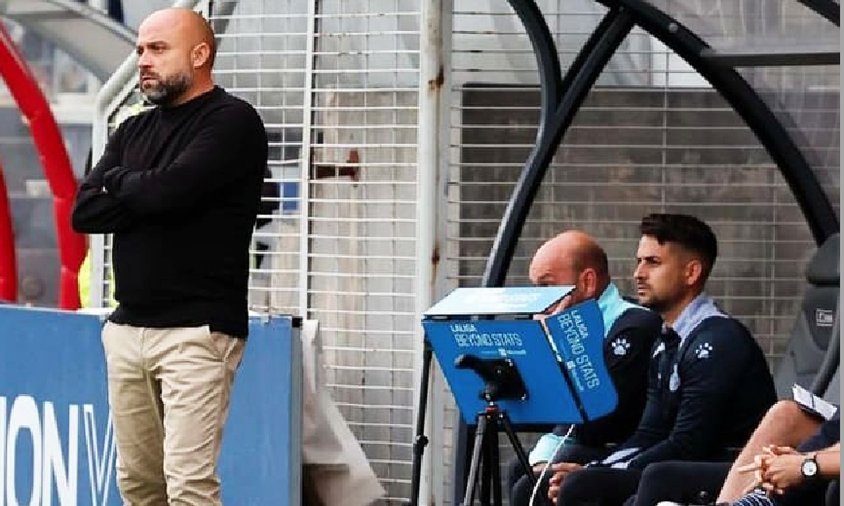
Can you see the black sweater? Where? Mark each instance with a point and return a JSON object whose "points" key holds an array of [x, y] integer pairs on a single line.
{"points": [[724, 390], [179, 187]]}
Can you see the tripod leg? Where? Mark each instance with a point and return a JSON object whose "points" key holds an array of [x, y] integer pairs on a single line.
{"points": [[420, 442], [517, 447], [486, 467], [520, 453], [469, 498], [495, 466]]}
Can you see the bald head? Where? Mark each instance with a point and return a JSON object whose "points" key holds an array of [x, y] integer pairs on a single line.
{"points": [[176, 51], [572, 258], [185, 24]]}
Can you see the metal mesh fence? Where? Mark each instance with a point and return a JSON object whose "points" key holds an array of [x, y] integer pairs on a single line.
{"points": [[336, 85]]}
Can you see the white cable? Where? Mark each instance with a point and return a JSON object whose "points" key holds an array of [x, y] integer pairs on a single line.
{"points": [[548, 465]]}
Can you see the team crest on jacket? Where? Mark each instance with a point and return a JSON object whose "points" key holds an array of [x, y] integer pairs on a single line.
{"points": [[704, 350], [620, 347]]}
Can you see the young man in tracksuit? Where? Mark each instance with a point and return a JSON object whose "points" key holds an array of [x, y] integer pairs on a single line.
{"points": [[709, 383], [574, 258]]}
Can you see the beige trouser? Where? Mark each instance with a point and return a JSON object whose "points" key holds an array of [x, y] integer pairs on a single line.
{"points": [[169, 394]]}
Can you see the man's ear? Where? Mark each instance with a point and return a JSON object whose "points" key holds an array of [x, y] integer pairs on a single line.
{"points": [[693, 271], [200, 54], [590, 283]]}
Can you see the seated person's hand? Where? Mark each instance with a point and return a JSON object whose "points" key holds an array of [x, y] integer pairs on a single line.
{"points": [[775, 470], [560, 470], [783, 469]]}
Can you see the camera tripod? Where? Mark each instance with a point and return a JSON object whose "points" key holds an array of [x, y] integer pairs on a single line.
{"points": [[485, 465], [501, 381]]}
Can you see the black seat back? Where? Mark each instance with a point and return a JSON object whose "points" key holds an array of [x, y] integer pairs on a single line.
{"points": [[832, 393], [816, 330], [826, 382]]}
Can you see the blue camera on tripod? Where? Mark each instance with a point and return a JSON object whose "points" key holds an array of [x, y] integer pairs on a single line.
{"points": [[507, 368]]}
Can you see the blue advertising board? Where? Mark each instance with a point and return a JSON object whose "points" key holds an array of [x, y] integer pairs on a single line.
{"points": [[56, 440], [578, 336]]}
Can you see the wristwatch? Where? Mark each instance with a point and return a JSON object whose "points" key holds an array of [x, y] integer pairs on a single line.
{"points": [[809, 468]]}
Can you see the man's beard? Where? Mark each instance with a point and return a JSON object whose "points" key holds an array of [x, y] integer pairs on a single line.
{"points": [[167, 90], [659, 304], [656, 305]]}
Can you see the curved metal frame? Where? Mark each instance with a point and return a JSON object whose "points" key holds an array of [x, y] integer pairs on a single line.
{"points": [[8, 258], [558, 110], [826, 8], [87, 56], [752, 109], [590, 61], [56, 163]]}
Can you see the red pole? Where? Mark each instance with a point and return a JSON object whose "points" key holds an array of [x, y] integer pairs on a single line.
{"points": [[54, 159], [8, 264]]}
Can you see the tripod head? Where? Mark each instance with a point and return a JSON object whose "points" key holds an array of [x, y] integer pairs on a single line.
{"points": [[500, 375]]}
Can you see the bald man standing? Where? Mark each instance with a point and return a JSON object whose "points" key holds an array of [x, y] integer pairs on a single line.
{"points": [[574, 258], [179, 187]]}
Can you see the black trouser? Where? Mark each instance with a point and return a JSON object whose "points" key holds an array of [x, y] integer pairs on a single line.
{"points": [[519, 485], [662, 481], [682, 482], [598, 486]]}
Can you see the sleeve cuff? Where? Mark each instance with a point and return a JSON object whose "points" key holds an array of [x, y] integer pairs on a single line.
{"points": [[544, 449]]}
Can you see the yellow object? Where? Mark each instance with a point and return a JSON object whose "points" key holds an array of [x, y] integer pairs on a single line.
{"points": [[84, 282]]}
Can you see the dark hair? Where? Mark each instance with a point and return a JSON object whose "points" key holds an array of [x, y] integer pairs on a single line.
{"points": [[686, 231]]}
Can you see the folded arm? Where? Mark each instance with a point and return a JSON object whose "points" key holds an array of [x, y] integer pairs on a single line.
{"points": [[209, 163], [94, 210]]}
